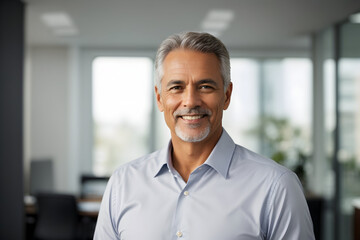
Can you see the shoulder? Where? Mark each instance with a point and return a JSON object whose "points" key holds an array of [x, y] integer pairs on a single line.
{"points": [[259, 165], [139, 165], [138, 170], [131, 177]]}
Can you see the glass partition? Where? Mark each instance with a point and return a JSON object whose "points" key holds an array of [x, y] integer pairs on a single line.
{"points": [[348, 153], [324, 129]]}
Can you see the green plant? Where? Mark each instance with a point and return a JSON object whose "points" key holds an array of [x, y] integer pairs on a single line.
{"points": [[284, 143]]}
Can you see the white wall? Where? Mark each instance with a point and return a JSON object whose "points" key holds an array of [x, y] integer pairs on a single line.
{"points": [[51, 82]]}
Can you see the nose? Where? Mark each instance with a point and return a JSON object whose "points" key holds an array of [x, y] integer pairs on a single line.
{"points": [[191, 98]]}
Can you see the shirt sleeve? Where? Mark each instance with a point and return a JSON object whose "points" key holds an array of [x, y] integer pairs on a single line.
{"points": [[288, 215], [105, 226]]}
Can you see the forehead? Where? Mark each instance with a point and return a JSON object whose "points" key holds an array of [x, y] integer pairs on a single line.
{"points": [[184, 61]]}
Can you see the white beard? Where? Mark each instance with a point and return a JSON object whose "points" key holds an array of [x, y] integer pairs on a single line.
{"points": [[188, 138]]}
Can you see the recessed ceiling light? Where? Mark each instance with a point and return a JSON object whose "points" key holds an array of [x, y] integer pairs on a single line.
{"points": [[56, 19], [221, 15], [217, 21], [214, 25], [60, 23], [355, 18]]}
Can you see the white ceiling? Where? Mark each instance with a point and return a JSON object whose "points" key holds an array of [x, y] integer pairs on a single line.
{"points": [[143, 24]]}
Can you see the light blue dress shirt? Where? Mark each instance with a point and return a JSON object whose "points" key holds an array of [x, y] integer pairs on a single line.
{"points": [[235, 195]]}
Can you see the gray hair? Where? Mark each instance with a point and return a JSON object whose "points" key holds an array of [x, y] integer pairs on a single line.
{"points": [[202, 42]]}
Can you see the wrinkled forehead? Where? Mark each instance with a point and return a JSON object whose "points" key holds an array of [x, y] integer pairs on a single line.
{"points": [[191, 59]]}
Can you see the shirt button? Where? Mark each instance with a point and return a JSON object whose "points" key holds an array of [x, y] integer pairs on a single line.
{"points": [[186, 193], [179, 234]]}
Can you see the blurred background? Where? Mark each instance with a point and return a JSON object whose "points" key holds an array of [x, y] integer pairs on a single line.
{"points": [[87, 102]]}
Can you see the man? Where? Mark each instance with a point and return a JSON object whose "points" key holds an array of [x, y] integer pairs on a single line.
{"points": [[202, 186]]}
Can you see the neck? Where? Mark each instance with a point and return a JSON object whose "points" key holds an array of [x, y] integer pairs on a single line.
{"points": [[187, 156]]}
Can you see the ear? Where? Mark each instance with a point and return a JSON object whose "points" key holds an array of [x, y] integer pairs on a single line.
{"points": [[159, 100], [228, 96]]}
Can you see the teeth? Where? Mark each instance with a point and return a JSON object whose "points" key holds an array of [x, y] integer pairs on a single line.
{"points": [[191, 117]]}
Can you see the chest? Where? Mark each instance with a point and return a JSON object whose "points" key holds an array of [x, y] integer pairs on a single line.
{"points": [[210, 210]]}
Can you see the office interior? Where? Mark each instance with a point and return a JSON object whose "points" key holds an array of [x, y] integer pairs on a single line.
{"points": [[82, 102]]}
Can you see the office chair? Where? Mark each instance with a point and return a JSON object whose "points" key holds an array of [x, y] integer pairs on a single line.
{"points": [[57, 217]]}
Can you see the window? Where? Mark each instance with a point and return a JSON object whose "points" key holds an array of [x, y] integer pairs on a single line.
{"points": [[122, 105], [244, 111], [286, 117], [270, 110]]}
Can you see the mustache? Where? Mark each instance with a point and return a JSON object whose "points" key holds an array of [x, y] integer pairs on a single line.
{"points": [[195, 110]]}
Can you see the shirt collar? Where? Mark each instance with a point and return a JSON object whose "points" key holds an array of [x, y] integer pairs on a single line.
{"points": [[221, 155], [219, 159], [163, 160]]}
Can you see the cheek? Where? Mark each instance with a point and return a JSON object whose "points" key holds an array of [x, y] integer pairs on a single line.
{"points": [[217, 109], [217, 104], [170, 104]]}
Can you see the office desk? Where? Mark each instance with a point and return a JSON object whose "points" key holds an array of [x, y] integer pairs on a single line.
{"points": [[89, 207]]}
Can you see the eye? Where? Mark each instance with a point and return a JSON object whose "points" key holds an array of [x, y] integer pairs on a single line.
{"points": [[175, 88], [206, 87]]}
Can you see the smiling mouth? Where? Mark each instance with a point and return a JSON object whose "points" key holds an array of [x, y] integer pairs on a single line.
{"points": [[192, 114], [192, 117]]}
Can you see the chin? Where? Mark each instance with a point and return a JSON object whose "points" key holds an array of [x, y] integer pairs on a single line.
{"points": [[187, 137]]}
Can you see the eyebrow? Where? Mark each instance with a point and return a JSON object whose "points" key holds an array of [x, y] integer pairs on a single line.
{"points": [[174, 82], [204, 81]]}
